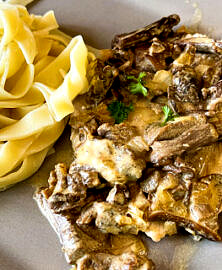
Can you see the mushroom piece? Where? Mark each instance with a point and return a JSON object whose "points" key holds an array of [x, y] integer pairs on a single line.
{"points": [[202, 43], [161, 28]]}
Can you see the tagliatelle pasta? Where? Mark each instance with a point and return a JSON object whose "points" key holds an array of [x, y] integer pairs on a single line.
{"points": [[41, 71]]}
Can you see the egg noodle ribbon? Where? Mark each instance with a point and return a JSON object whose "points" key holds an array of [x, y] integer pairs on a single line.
{"points": [[41, 71]]}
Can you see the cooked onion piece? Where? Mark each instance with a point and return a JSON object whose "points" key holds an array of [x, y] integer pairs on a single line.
{"points": [[41, 71]]}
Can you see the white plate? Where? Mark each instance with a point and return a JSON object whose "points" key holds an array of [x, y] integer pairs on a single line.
{"points": [[27, 242]]}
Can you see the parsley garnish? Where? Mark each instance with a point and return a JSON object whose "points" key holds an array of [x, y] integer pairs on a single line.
{"points": [[119, 111], [169, 115], [137, 86]]}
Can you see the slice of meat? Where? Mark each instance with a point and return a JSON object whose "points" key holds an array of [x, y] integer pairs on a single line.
{"points": [[159, 28], [190, 139], [173, 129], [75, 242], [88, 248]]}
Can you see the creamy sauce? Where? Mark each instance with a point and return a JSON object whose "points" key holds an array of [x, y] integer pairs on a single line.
{"points": [[144, 113]]}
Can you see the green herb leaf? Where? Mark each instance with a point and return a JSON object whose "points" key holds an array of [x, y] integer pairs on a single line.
{"points": [[137, 86], [169, 115], [119, 111]]}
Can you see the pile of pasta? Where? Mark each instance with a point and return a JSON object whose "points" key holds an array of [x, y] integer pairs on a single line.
{"points": [[41, 71]]}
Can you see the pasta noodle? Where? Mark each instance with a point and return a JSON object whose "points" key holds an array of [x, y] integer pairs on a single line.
{"points": [[41, 71]]}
